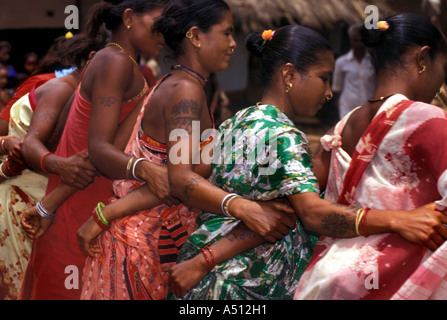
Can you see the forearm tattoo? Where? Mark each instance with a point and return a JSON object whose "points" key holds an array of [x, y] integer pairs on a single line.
{"points": [[241, 233], [191, 186], [340, 224]]}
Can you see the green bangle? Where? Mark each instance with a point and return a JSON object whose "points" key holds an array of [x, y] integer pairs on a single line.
{"points": [[99, 213]]}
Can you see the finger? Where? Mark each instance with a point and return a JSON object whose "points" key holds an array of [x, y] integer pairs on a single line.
{"points": [[437, 239], [430, 244], [284, 230], [83, 155], [25, 223], [273, 237], [289, 221], [443, 231], [443, 218]]}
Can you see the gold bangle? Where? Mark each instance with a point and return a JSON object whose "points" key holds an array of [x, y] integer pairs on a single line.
{"points": [[129, 168], [360, 213]]}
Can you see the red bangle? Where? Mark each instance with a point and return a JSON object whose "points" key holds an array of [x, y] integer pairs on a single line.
{"points": [[9, 168], [206, 258], [41, 161], [212, 257], [98, 221], [363, 221]]}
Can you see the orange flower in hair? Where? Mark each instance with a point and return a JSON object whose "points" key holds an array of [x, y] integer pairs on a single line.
{"points": [[383, 25], [268, 35]]}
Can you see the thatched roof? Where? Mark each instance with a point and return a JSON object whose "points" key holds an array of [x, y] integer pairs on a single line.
{"points": [[250, 15]]}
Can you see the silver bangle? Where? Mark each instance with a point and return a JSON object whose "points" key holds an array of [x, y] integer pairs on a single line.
{"points": [[134, 166], [44, 212], [223, 202]]}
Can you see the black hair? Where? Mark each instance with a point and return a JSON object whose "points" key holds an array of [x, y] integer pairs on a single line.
{"points": [[180, 15], [110, 13], [73, 51], [294, 44], [405, 30]]}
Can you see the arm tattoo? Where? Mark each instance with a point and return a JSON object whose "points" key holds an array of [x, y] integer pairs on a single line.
{"points": [[108, 101], [183, 114], [240, 233], [340, 224], [337, 224], [192, 184]]}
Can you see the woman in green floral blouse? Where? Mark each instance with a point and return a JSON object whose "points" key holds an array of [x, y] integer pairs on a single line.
{"points": [[259, 154]]}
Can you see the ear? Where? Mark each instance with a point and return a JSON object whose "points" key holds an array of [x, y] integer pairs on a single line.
{"points": [[193, 35], [288, 73], [423, 57], [128, 16]]}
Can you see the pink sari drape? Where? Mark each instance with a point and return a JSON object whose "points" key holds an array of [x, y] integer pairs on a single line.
{"points": [[138, 250], [407, 170]]}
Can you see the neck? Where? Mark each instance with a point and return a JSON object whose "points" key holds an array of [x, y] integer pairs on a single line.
{"points": [[279, 101], [193, 65], [124, 43], [390, 83], [359, 54]]}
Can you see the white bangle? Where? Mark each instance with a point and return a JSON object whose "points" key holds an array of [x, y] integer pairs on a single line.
{"points": [[44, 212], [134, 166], [224, 204]]}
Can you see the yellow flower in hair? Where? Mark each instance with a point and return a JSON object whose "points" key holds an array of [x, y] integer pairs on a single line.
{"points": [[383, 25], [68, 35], [268, 35]]}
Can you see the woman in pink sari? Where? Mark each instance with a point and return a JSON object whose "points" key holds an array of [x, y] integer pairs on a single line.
{"points": [[388, 154]]}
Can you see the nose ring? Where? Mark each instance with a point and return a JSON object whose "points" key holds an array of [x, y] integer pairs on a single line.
{"points": [[329, 97]]}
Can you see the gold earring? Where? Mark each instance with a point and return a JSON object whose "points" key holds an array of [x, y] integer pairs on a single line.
{"points": [[329, 97], [289, 87], [189, 34], [422, 70], [198, 45]]}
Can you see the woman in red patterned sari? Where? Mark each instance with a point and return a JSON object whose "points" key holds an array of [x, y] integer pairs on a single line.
{"points": [[388, 154]]}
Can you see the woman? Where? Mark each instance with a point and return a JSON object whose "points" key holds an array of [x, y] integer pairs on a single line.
{"points": [[21, 186], [110, 89], [387, 154]]}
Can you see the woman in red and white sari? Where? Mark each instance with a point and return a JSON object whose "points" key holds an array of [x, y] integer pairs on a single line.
{"points": [[388, 154]]}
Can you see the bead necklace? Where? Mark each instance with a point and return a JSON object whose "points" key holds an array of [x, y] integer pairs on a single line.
{"points": [[116, 44], [181, 67]]}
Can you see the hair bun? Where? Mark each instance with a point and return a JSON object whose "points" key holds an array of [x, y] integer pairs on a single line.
{"points": [[254, 43], [373, 37]]}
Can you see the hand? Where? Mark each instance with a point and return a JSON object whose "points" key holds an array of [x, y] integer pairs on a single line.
{"points": [[187, 274], [33, 224], [87, 235], [13, 146], [269, 219], [156, 177], [76, 171], [425, 226]]}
